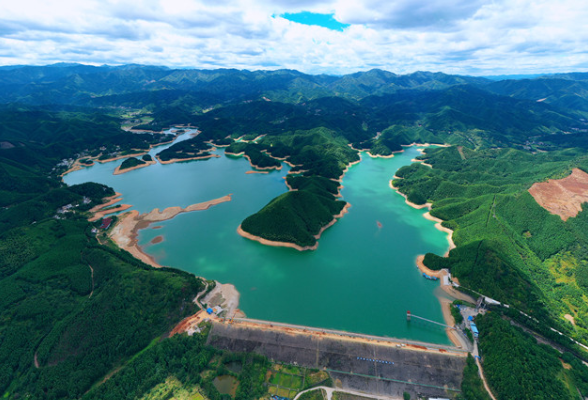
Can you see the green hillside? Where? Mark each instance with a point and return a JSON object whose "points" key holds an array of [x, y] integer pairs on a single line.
{"points": [[74, 309], [293, 217], [506, 242], [71, 309], [562, 91]]}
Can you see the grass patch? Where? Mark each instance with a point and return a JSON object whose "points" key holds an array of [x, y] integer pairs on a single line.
{"points": [[292, 369], [313, 395], [274, 378], [286, 380], [172, 389], [296, 382], [314, 378]]}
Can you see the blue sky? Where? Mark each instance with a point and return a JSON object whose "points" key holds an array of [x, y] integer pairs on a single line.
{"points": [[314, 19], [473, 37]]}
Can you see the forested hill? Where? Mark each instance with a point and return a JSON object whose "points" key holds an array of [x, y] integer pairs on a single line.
{"points": [[81, 84], [71, 308], [74, 309], [566, 91]]}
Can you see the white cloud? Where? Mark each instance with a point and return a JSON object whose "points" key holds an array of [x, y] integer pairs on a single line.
{"points": [[454, 36]]}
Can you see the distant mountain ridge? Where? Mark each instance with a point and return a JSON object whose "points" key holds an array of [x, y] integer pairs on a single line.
{"points": [[562, 90], [141, 85], [69, 84]]}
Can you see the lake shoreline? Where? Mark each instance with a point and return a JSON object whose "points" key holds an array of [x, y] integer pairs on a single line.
{"points": [[125, 232], [444, 274], [256, 168], [118, 171], [156, 250], [274, 243]]}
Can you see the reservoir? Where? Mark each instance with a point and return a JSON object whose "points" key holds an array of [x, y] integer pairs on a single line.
{"points": [[362, 278]]}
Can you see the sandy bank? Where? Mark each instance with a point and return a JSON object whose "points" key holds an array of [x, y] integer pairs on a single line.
{"points": [[242, 154], [379, 155], [176, 160], [426, 270], [413, 205], [267, 242], [77, 165], [109, 201], [119, 171], [428, 216], [340, 180], [225, 296], [101, 214], [130, 129], [442, 275], [107, 160], [449, 289], [257, 172], [438, 225], [125, 232], [422, 162], [425, 145], [288, 185], [446, 303]]}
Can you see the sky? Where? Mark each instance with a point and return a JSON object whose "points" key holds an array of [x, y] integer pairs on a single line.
{"points": [[468, 37]]}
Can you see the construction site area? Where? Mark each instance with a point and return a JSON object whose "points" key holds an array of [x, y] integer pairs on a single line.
{"points": [[376, 366]]}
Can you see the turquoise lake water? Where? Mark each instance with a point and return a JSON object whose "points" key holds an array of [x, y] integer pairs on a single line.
{"points": [[362, 278]]}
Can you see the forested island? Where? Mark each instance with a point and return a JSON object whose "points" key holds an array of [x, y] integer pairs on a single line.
{"points": [[80, 318], [133, 163]]}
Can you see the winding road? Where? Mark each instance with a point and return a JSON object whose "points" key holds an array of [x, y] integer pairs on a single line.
{"points": [[329, 391]]}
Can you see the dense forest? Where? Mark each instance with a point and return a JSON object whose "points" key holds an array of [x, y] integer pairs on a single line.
{"points": [[75, 309], [71, 309], [508, 246]]}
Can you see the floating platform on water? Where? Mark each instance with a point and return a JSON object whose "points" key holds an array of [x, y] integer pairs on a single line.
{"points": [[433, 278]]}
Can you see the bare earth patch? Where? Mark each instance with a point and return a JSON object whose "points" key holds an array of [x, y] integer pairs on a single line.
{"points": [[224, 295], [156, 239], [125, 232], [570, 318], [563, 197]]}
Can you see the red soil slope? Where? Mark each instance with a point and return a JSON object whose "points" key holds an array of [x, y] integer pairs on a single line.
{"points": [[563, 197]]}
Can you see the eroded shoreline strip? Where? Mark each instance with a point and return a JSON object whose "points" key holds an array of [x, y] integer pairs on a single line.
{"points": [[125, 232], [177, 160], [242, 154], [442, 275], [273, 243], [118, 171]]}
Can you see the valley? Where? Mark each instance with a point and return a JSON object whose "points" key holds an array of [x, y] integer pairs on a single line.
{"points": [[80, 316]]}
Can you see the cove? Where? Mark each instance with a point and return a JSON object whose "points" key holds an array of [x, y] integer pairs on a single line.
{"points": [[362, 278]]}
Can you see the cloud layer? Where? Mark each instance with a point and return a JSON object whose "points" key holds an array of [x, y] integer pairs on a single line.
{"points": [[474, 37]]}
